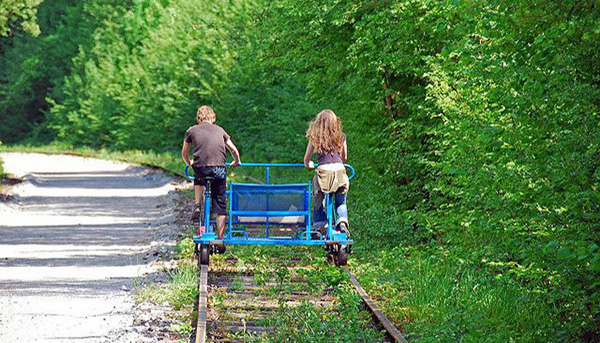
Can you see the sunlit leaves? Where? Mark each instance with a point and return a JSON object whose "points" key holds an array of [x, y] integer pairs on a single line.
{"points": [[19, 14]]}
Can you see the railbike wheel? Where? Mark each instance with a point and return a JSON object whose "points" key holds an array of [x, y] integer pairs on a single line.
{"points": [[204, 255], [331, 258], [341, 258]]}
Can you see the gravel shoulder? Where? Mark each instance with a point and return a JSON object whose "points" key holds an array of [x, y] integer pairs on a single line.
{"points": [[75, 237]]}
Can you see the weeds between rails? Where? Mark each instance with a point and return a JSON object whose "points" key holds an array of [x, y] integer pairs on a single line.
{"points": [[274, 294]]}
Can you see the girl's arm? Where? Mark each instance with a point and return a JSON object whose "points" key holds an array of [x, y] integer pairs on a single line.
{"points": [[308, 163], [344, 151]]}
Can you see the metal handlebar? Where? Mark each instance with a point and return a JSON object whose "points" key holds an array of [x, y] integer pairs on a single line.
{"points": [[185, 172], [268, 165], [352, 170]]}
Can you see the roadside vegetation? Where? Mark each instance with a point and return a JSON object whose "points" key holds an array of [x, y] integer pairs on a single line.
{"points": [[1, 166], [3, 178], [180, 291], [474, 127]]}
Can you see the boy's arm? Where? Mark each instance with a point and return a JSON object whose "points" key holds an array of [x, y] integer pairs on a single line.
{"points": [[234, 152], [308, 163], [185, 153]]}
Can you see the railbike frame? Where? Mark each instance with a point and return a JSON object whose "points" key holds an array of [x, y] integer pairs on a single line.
{"points": [[240, 219]]}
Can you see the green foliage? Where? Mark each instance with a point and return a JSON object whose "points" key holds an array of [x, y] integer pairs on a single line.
{"points": [[17, 15], [1, 165], [299, 270], [185, 248], [32, 69], [180, 291], [142, 80], [183, 329]]}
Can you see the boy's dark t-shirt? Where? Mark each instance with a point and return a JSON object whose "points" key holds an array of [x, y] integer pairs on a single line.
{"points": [[208, 144]]}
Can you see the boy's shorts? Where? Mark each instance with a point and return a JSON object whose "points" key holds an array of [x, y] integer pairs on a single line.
{"points": [[218, 186]]}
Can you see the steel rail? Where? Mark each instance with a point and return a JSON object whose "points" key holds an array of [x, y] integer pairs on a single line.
{"points": [[202, 301], [387, 324]]}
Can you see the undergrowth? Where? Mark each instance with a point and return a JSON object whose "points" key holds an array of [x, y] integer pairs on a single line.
{"points": [[308, 323], [1, 167], [180, 291]]}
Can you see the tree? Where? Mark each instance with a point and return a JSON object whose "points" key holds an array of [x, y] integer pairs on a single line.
{"points": [[19, 14]]}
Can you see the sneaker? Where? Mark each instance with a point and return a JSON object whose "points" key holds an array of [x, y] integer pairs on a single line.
{"points": [[344, 229], [196, 212]]}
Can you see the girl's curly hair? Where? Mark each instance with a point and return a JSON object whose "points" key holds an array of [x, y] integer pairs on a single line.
{"points": [[325, 132]]}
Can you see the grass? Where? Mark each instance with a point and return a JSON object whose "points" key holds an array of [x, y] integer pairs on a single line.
{"points": [[2, 175], [436, 298], [311, 324], [180, 291]]}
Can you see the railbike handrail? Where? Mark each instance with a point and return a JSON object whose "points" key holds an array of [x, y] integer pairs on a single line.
{"points": [[269, 165]]}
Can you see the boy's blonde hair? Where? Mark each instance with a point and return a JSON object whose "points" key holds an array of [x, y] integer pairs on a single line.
{"points": [[206, 113], [325, 132]]}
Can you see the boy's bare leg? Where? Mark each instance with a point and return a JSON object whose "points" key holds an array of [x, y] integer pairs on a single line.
{"points": [[199, 194], [199, 200], [220, 225]]}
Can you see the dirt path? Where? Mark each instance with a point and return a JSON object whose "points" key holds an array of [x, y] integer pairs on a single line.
{"points": [[73, 240]]}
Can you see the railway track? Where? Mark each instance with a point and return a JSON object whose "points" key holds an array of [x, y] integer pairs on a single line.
{"points": [[247, 297]]}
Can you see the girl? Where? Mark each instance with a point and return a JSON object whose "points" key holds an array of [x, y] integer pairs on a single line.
{"points": [[325, 137]]}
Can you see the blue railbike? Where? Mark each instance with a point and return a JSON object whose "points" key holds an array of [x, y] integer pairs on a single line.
{"points": [[270, 214]]}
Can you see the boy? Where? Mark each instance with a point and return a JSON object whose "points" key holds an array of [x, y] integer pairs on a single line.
{"points": [[208, 143]]}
